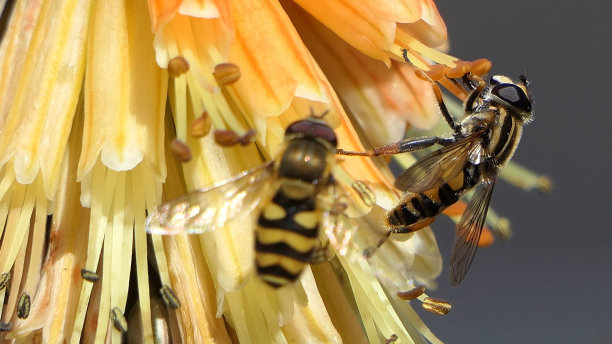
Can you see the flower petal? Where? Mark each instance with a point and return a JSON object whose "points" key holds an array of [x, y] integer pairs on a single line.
{"points": [[43, 83], [274, 63], [125, 92]]}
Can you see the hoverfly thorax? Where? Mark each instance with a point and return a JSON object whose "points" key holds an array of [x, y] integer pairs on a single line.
{"points": [[310, 143], [500, 113]]}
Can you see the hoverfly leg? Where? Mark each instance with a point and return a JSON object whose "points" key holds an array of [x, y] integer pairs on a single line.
{"points": [[422, 75], [413, 227], [403, 146], [321, 254], [476, 92]]}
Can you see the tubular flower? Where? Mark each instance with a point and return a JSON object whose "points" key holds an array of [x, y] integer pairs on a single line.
{"points": [[106, 110]]}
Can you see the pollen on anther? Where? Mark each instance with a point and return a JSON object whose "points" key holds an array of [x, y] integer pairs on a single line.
{"points": [[436, 72], [462, 68], [228, 138], [200, 127], [177, 66], [226, 73], [412, 293], [481, 67], [436, 306], [180, 150]]}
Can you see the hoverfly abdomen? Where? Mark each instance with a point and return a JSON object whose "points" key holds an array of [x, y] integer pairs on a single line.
{"points": [[417, 210], [288, 227], [287, 235]]}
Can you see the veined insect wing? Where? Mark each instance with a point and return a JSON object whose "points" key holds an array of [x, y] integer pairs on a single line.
{"points": [[438, 167], [469, 229], [208, 209], [342, 208]]}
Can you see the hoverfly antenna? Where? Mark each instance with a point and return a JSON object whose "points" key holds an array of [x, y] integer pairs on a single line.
{"points": [[313, 115], [524, 80]]}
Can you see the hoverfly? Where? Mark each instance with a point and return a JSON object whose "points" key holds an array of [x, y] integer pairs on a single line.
{"points": [[482, 142], [284, 194]]}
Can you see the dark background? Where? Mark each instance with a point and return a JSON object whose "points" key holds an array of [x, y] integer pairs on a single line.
{"points": [[552, 282]]}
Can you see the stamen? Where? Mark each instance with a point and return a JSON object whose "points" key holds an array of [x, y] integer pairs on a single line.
{"points": [[226, 73], [436, 306], [412, 293], [5, 326], [180, 150], [460, 70], [5, 278], [200, 127], [119, 320], [436, 72], [89, 275], [391, 339], [481, 67], [228, 138], [23, 306], [177, 66], [169, 297]]}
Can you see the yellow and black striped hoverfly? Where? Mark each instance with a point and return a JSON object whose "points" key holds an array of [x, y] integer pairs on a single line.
{"points": [[284, 194], [481, 144]]}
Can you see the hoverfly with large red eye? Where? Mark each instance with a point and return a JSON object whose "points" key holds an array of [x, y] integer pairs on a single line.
{"points": [[284, 199], [480, 145]]}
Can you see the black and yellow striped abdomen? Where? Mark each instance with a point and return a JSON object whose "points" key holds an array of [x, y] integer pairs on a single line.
{"points": [[418, 210], [288, 233]]}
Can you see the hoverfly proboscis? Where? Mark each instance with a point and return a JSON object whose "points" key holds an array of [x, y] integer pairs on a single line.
{"points": [[283, 197], [481, 144]]}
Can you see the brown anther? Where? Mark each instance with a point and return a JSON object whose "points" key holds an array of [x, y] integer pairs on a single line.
{"points": [[4, 279], [23, 306], [436, 306], [169, 297], [545, 184], [481, 67], [119, 320], [412, 293], [180, 150], [177, 66], [247, 138], [228, 138], [436, 72], [226, 73], [200, 126], [391, 339], [89, 275], [461, 69]]}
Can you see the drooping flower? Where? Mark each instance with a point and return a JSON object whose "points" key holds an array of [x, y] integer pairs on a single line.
{"points": [[91, 99]]}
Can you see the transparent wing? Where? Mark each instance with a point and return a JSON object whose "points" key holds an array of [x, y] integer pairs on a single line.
{"points": [[468, 231], [343, 208], [207, 209], [438, 167]]}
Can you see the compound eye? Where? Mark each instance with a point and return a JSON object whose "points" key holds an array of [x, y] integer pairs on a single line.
{"points": [[299, 127], [311, 128], [326, 133], [512, 95]]}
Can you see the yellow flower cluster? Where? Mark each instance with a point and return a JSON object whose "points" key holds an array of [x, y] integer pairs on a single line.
{"points": [[99, 98]]}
